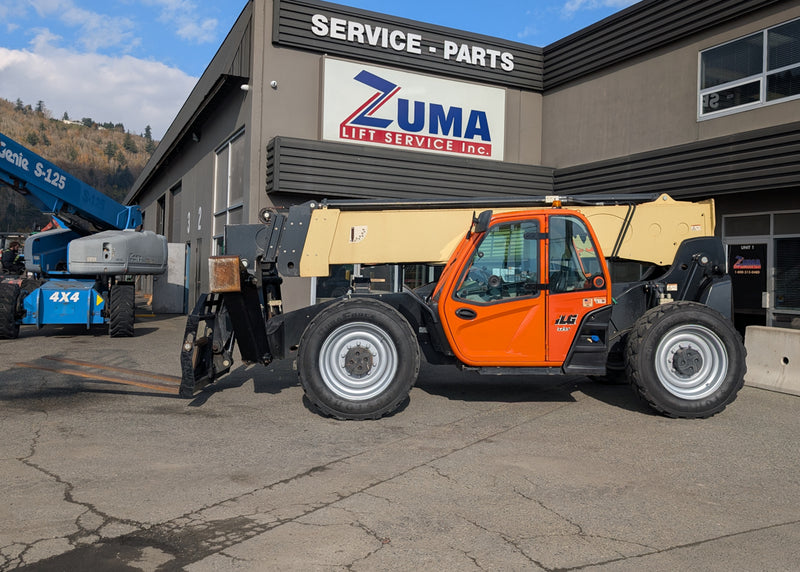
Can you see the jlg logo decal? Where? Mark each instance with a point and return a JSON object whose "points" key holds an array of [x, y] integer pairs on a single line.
{"points": [[564, 322]]}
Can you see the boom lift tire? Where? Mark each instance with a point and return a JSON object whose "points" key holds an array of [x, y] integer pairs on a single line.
{"points": [[358, 359], [122, 303], [685, 359], [9, 327]]}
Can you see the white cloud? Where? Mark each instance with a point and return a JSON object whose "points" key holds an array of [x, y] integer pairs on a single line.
{"points": [[528, 32], [185, 17], [9, 9], [572, 6], [96, 31], [121, 89]]}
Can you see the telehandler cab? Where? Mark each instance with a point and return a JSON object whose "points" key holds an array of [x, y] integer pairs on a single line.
{"points": [[524, 291]]}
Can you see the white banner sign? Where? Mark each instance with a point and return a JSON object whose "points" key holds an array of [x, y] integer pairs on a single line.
{"points": [[389, 108]]}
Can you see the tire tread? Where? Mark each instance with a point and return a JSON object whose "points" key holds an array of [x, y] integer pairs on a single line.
{"points": [[408, 382], [122, 304], [9, 327], [635, 345]]}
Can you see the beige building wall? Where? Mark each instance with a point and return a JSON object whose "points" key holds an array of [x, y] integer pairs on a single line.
{"points": [[294, 107], [523, 127], [651, 102]]}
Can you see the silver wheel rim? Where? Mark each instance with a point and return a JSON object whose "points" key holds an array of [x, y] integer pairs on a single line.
{"points": [[705, 351], [364, 339]]}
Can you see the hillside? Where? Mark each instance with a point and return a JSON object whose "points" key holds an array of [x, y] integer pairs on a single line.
{"points": [[103, 156]]}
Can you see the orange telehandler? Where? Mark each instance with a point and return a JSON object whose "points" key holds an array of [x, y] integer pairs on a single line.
{"points": [[523, 290]]}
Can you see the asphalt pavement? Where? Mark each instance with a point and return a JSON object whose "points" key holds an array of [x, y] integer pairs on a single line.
{"points": [[473, 473]]}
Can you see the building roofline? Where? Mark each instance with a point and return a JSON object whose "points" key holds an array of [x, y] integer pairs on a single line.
{"points": [[638, 29], [214, 78]]}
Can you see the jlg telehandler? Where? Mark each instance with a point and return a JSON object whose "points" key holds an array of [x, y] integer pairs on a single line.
{"points": [[525, 292]]}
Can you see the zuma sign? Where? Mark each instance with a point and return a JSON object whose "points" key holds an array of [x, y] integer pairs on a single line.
{"points": [[391, 108]]}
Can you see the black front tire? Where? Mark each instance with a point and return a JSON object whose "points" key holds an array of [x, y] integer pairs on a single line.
{"points": [[685, 359], [9, 326], [122, 308], [358, 359]]}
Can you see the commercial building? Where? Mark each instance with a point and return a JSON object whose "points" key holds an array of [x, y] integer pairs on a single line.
{"points": [[311, 100]]}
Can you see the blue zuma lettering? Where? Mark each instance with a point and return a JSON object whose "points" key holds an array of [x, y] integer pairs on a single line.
{"points": [[377, 36], [48, 175], [449, 121]]}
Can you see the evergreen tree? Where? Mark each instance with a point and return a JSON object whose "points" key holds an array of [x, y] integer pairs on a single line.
{"points": [[110, 150], [129, 145], [148, 133]]}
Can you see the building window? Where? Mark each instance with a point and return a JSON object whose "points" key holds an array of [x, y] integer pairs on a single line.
{"points": [[228, 188], [175, 210], [752, 71]]}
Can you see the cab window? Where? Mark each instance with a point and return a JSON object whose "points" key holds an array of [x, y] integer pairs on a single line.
{"points": [[505, 265], [574, 263]]}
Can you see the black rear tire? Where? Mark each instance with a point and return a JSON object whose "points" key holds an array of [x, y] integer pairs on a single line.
{"points": [[122, 307], [9, 327], [685, 359], [358, 359]]}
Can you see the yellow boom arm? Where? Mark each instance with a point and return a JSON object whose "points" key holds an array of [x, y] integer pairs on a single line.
{"points": [[644, 232]]}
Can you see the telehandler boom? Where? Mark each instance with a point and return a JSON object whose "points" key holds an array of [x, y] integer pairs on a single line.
{"points": [[523, 290]]}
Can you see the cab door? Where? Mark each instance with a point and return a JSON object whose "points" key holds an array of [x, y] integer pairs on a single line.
{"points": [[493, 311], [577, 281]]}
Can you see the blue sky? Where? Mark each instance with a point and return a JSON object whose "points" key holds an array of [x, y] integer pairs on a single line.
{"points": [[135, 61]]}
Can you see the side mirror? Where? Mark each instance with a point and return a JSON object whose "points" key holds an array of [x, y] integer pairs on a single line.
{"points": [[481, 223]]}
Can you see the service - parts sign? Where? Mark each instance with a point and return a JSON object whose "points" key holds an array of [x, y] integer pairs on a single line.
{"points": [[384, 107]]}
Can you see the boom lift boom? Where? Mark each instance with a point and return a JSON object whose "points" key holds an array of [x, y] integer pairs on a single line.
{"points": [[82, 274], [523, 291]]}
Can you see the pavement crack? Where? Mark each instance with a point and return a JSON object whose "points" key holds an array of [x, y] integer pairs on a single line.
{"points": [[88, 524], [444, 475], [512, 542], [677, 546], [191, 537], [383, 541], [569, 521]]}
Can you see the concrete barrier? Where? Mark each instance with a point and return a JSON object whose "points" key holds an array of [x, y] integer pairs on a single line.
{"points": [[773, 359]]}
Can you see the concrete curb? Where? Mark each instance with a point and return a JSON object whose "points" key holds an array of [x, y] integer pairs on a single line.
{"points": [[773, 359]]}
